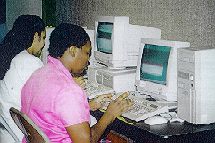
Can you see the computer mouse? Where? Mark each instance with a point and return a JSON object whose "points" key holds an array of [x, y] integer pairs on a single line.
{"points": [[155, 120]]}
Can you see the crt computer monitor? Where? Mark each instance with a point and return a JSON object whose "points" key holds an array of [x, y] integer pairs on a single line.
{"points": [[91, 35], [117, 41], [156, 73], [45, 52]]}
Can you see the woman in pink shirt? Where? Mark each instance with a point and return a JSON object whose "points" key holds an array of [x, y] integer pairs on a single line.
{"points": [[53, 100]]}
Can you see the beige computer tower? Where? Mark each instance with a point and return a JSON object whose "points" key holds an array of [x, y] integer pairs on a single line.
{"points": [[119, 80], [196, 85]]}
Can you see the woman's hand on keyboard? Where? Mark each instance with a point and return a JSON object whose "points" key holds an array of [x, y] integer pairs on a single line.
{"points": [[119, 106], [80, 81], [99, 101]]}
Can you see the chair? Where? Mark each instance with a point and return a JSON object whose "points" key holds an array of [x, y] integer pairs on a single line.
{"points": [[33, 134]]}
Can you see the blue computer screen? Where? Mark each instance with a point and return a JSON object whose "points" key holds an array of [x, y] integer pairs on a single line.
{"points": [[103, 37], [154, 63]]}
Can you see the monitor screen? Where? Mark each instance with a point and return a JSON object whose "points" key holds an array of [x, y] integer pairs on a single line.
{"points": [[156, 73], [103, 37], [154, 63]]}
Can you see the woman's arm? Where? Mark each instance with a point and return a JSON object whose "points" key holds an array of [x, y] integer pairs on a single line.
{"points": [[79, 133], [115, 109], [83, 133]]}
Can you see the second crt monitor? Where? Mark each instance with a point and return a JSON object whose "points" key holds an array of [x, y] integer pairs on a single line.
{"points": [[156, 73], [117, 41]]}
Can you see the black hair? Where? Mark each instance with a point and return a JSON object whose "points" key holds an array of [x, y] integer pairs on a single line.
{"points": [[19, 38], [64, 36]]}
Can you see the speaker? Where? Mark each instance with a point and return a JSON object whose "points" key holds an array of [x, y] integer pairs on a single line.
{"points": [[49, 12]]}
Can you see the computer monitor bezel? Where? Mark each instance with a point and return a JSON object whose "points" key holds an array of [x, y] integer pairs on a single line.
{"points": [[119, 54], [166, 92], [125, 42]]}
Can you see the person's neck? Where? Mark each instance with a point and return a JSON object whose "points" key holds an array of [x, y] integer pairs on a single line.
{"points": [[65, 64], [30, 50]]}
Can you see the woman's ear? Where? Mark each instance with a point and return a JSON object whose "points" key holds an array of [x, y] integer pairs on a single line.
{"points": [[36, 36], [72, 50]]}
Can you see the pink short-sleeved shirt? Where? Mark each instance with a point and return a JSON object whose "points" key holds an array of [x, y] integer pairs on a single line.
{"points": [[54, 101]]}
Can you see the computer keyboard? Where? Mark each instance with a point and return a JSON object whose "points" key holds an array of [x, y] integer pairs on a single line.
{"points": [[142, 108], [94, 89]]}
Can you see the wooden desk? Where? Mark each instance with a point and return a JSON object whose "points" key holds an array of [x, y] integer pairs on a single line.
{"points": [[165, 133]]}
